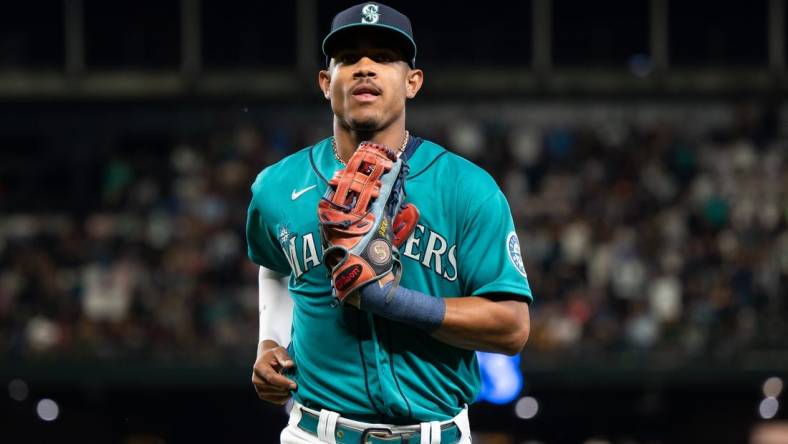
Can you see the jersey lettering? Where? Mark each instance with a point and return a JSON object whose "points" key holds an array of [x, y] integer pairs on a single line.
{"points": [[413, 241], [434, 256], [292, 258], [452, 264], [310, 252], [434, 252], [437, 254]]}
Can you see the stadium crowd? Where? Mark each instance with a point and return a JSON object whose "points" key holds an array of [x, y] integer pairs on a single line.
{"points": [[638, 240]]}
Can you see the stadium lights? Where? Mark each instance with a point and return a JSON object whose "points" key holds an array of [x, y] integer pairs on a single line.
{"points": [[772, 387], [768, 408], [17, 390], [526, 408], [47, 409]]}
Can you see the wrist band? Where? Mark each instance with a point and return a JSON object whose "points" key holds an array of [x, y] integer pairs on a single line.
{"points": [[409, 306]]}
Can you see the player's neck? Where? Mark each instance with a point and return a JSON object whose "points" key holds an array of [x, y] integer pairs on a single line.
{"points": [[347, 140]]}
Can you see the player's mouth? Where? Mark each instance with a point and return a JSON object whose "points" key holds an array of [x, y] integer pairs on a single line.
{"points": [[366, 92]]}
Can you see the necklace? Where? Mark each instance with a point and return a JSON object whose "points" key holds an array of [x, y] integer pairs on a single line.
{"points": [[336, 153]]}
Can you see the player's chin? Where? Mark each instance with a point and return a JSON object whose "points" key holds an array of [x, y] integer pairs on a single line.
{"points": [[365, 123]]}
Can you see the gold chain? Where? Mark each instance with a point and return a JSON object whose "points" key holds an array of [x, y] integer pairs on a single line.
{"points": [[336, 153]]}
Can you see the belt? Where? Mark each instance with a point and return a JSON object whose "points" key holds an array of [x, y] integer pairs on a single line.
{"points": [[345, 434]]}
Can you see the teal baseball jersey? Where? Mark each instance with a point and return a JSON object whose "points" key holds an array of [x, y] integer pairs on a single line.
{"points": [[363, 366]]}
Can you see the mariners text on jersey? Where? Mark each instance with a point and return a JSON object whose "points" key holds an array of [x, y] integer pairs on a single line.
{"points": [[427, 247]]}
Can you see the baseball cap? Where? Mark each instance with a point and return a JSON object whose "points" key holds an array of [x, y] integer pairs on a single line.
{"points": [[375, 16]]}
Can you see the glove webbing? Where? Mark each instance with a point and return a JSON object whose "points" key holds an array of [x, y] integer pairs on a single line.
{"points": [[365, 184]]}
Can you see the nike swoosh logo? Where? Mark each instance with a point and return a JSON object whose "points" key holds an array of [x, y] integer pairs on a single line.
{"points": [[297, 194]]}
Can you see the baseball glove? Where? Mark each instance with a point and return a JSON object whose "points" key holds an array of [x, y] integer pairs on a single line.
{"points": [[362, 220]]}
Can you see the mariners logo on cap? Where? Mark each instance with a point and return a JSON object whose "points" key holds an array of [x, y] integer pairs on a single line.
{"points": [[513, 246], [369, 14]]}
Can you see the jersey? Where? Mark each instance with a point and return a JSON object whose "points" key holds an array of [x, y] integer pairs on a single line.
{"points": [[363, 366]]}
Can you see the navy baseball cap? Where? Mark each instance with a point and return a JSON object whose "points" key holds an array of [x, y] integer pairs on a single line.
{"points": [[372, 16]]}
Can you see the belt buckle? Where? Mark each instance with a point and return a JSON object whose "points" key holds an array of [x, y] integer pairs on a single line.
{"points": [[365, 435]]}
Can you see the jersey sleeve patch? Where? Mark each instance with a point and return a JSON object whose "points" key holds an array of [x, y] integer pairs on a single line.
{"points": [[513, 247]]}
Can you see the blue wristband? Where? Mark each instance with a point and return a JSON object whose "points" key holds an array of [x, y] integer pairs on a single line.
{"points": [[409, 306]]}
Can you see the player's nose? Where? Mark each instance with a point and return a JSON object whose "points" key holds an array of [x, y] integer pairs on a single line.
{"points": [[365, 67]]}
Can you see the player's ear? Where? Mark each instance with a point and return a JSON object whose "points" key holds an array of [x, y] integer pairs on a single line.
{"points": [[413, 82], [324, 80]]}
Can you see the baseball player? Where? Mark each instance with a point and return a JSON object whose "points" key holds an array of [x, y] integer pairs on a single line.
{"points": [[402, 259]]}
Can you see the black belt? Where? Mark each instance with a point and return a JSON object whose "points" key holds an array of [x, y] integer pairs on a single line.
{"points": [[345, 434]]}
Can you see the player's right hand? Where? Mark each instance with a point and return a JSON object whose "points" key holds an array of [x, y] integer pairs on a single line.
{"points": [[269, 383]]}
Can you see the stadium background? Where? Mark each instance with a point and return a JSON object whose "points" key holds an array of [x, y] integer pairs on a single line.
{"points": [[641, 144]]}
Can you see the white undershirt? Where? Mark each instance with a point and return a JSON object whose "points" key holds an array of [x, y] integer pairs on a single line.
{"points": [[276, 307]]}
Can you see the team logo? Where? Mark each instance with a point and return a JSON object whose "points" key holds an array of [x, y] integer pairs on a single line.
{"points": [[379, 252], [347, 277], [284, 235], [369, 14], [513, 247]]}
